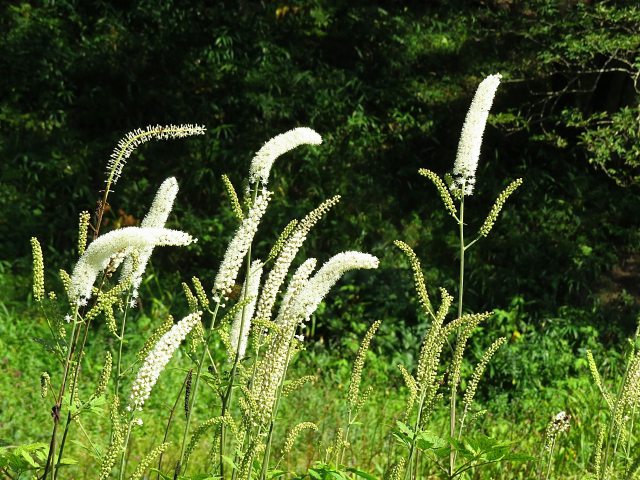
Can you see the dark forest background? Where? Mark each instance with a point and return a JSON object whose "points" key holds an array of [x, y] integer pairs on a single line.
{"points": [[387, 84]]}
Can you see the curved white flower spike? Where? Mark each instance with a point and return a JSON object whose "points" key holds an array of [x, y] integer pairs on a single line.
{"points": [[464, 168], [320, 284], [278, 145], [296, 284], [158, 358], [293, 244], [242, 321], [155, 218], [119, 242]]}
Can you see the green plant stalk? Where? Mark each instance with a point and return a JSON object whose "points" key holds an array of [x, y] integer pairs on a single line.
{"points": [[56, 409], [166, 429], [452, 405], [351, 421], [464, 416], [194, 390], [123, 458], [617, 405], [408, 472], [553, 444], [274, 413], [76, 375], [121, 342], [253, 376], [226, 401], [84, 431], [628, 445]]}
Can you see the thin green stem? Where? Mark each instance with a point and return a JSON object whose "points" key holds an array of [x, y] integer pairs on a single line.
{"points": [[121, 342], [452, 406], [166, 429], [123, 458], [553, 444], [194, 391], [55, 411], [84, 431], [630, 435], [408, 473], [274, 412]]}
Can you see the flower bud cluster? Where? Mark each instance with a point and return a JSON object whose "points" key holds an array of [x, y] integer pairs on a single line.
{"points": [[354, 397], [45, 381], [233, 197], [83, 225], [291, 387], [418, 277], [497, 207], [137, 137], [200, 293], [38, 270], [157, 359], [239, 245], [442, 190], [293, 434], [105, 374], [470, 392], [146, 461]]}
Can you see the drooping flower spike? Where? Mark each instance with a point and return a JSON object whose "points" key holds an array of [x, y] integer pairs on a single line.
{"points": [[132, 140], [121, 242], [278, 145], [320, 284]]}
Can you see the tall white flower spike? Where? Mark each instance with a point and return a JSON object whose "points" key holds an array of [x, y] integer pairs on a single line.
{"points": [[464, 168]]}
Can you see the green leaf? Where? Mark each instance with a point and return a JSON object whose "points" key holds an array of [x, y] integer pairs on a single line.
{"points": [[361, 473]]}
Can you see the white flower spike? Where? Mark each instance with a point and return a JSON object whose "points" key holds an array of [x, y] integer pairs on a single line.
{"points": [[155, 218], [242, 321], [464, 168], [239, 245], [320, 284], [278, 145], [158, 358], [117, 243]]}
